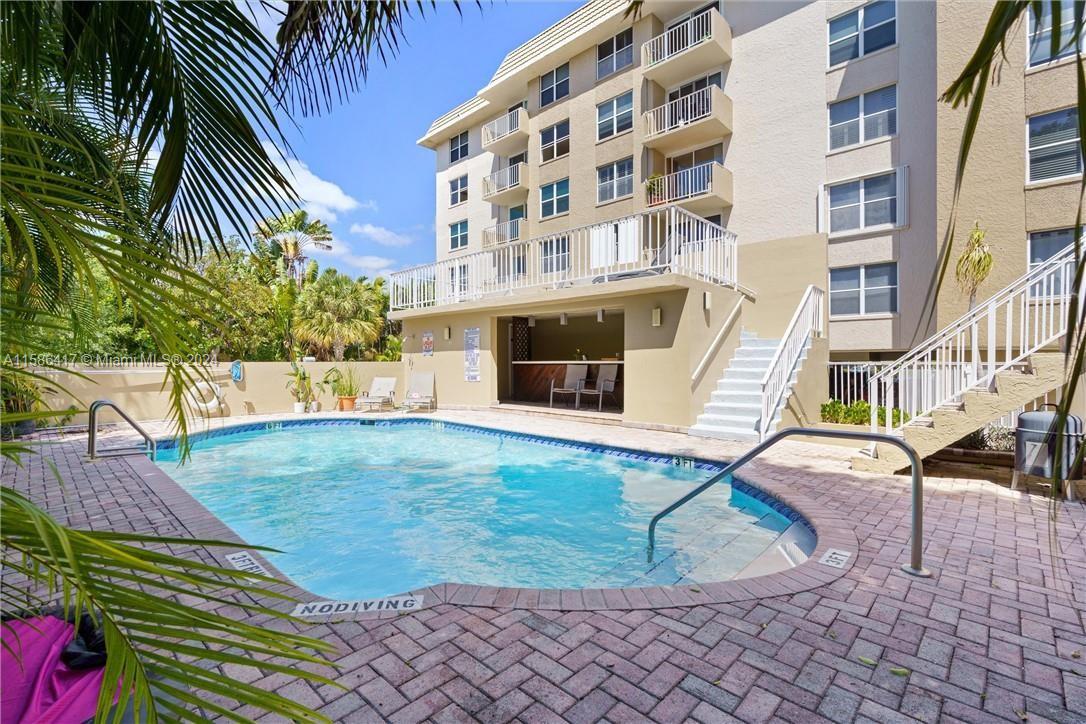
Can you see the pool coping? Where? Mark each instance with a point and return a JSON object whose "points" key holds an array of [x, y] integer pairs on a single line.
{"points": [[830, 530]]}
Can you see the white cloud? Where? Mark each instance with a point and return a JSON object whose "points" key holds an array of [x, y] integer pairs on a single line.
{"points": [[369, 205], [323, 199], [381, 235], [341, 255]]}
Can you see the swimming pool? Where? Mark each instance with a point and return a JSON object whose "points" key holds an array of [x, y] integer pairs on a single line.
{"points": [[367, 510]]}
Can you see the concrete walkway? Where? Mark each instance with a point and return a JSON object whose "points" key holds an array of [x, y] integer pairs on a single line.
{"points": [[997, 634]]}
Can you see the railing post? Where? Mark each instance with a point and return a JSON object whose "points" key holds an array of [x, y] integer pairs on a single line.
{"points": [[991, 343]]}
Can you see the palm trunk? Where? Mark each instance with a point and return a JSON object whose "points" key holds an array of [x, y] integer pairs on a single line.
{"points": [[337, 349]]}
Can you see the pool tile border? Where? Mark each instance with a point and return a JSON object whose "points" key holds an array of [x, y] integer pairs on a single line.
{"points": [[830, 530]]}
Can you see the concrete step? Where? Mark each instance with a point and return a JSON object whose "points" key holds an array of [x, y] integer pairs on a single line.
{"points": [[747, 352], [736, 397], [723, 433], [743, 375], [723, 419], [744, 412], [748, 364]]}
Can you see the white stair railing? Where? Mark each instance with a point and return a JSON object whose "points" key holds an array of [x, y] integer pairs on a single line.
{"points": [[1027, 315], [807, 321]]}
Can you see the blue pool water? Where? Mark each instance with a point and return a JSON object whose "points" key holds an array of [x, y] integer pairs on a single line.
{"points": [[362, 511]]}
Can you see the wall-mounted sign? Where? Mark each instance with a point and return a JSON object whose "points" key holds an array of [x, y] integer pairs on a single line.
{"points": [[237, 373], [427, 344], [332, 608], [471, 354]]}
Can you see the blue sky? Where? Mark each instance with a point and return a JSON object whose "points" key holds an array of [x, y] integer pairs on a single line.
{"points": [[358, 167]]}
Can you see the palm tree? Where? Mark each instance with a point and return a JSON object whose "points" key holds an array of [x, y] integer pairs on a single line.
{"points": [[335, 311], [131, 135], [974, 264], [291, 234]]}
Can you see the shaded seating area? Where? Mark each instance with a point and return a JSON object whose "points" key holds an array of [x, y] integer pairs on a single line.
{"points": [[603, 385], [571, 385]]}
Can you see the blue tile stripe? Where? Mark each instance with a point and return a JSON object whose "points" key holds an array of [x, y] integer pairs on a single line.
{"points": [[712, 466]]}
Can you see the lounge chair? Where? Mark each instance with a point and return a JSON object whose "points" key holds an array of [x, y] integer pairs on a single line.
{"points": [[575, 375], [605, 385], [382, 392], [420, 391]]}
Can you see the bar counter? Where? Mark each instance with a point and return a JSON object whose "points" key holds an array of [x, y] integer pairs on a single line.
{"points": [[532, 380]]}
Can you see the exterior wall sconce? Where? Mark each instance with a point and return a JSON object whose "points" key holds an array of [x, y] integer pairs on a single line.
{"points": [[657, 316], [448, 333], [531, 321], [707, 300], [599, 316], [563, 319]]}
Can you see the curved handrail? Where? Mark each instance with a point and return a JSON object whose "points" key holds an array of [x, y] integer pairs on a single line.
{"points": [[92, 429], [915, 565]]}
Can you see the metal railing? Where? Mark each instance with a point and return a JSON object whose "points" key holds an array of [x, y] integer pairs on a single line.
{"points": [[501, 127], [807, 321], [677, 39], [1024, 317], [848, 380], [504, 179], [915, 566], [668, 239], [150, 446], [502, 233], [681, 184], [681, 111]]}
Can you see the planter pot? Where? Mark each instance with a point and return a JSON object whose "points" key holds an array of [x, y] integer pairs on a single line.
{"points": [[346, 404], [299, 407], [314, 406]]}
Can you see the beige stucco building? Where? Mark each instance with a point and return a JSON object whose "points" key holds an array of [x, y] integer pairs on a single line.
{"points": [[674, 191]]}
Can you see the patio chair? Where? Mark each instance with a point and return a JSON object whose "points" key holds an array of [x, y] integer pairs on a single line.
{"points": [[420, 391], [382, 392], [573, 383], [605, 385]]}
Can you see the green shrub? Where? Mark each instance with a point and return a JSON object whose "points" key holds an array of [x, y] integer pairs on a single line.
{"points": [[858, 413], [833, 411]]}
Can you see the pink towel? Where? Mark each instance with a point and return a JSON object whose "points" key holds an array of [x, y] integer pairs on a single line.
{"points": [[38, 686]]}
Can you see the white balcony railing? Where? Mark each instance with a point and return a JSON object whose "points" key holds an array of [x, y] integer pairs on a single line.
{"points": [[502, 233], [679, 112], [504, 179], [681, 184], [677, 39], [1028, 315], [658, 241], [501, 127]]}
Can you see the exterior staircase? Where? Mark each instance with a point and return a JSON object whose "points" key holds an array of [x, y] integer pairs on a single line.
{"points": [[991, 361], [735, 408]]}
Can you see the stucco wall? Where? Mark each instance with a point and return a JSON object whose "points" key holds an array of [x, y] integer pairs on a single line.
{"points": [[779, 272], [140, 393]]}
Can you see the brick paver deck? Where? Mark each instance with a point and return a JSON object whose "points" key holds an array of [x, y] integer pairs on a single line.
{"points": [[997, 634]]}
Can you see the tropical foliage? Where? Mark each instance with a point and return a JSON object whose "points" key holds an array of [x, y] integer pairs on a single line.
{"points": [[335, 311], [974, 264], [290, 235]]}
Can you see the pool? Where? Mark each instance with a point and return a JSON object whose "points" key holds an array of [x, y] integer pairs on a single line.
{"points": [[367, 510]]}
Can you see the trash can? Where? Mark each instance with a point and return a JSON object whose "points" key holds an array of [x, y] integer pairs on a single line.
{"points": [[1035, 447]]}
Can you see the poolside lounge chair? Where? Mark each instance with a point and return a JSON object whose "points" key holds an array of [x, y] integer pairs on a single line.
{"points": [[573, 383], [382, 392], [605, 385], [420, 391]]}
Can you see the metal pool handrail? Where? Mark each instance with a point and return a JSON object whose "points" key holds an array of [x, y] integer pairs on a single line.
{"points": [[92, 432], [915, 565]]}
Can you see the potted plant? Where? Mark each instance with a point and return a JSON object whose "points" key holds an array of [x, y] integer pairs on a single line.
{"points": [[22, 397], [300, 386], [654, 184], [344, 386]]}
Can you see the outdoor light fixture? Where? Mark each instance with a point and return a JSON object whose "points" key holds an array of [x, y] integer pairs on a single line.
{"points": [[657, 315], [563, 319], [531, 321], [599, 316], [448, 333], [707, 300]]}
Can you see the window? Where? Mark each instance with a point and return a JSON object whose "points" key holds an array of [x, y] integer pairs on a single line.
{"points": [[1053, 145], [864, 203], [614, 116], [458, 235], [614, 180], [458, 190], [1040, 33], [868, 289], [554, 141], [554, 85], [1043, 245], [614, 54], [863, 118], [862, 31], [554, 198], [458, 147], [554, 254]]}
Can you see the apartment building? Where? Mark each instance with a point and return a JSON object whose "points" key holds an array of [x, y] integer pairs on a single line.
{"points": [[786, 145]]}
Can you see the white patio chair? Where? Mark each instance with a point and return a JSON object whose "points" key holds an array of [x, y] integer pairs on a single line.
{"points": [[382, 392], [420, 391], [604, 385], [575, 375]]}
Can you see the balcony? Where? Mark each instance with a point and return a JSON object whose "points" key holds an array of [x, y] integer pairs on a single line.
{"points": [[507, 133], [502, 233], [508, 186], [658, 241], [702, 42], [703, 117], [703, 189]]}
